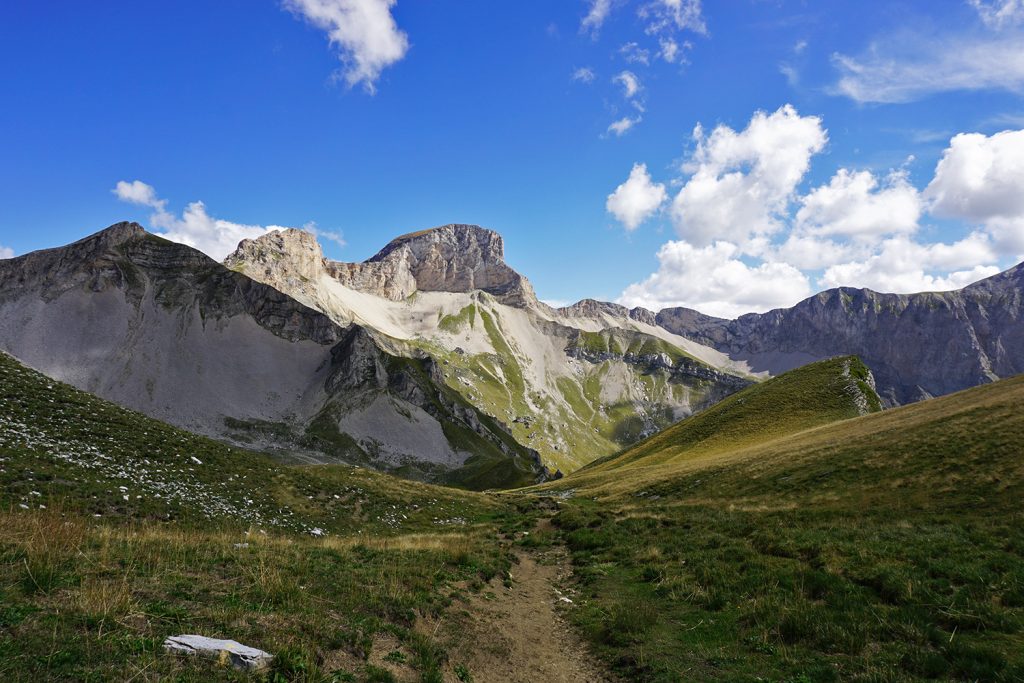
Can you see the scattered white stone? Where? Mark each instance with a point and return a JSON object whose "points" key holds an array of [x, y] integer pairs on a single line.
{"points": [[316, 531], [224, 651], [196, 460], [23, 506], [241, 546]]}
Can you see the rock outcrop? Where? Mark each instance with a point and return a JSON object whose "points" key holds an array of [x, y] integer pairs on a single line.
{"points": [[451, 258], [917, 345]]}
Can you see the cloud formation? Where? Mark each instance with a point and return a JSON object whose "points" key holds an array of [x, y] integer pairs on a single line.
{"points": [[363, 31], [741, 182], [584, 74], [714, 280], [621, 126], [980, 179], [742, 215], [637, 199], [195, 227], [594, 19], [6, 252], [998, 14]]}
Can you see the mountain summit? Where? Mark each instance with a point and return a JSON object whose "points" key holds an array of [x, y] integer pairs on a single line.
{"points": [[452, 258]]}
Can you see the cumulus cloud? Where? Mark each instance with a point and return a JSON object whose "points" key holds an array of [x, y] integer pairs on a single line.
{"points": [[904, 266], [365, 34], [907, 68], [980, 179], [584, 74], [741, 182], [6, 252], [855, 205], [637, 199], [621, 126], [715, 281], [598, 12], [195, 227], [753, 239], [998, 14]]}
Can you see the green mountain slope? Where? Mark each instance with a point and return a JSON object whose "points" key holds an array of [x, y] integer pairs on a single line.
{"points": [[117, 531], [813, 395], [885, 547]]}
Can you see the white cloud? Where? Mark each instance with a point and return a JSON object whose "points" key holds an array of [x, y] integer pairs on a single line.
{"points": [[328, 235], [999, 13], [634, 54], [364, 32], [903, 266], [584, 74], [637, 199], [751, 241], [980, 179], [713, 280], [195, 227], [670, 15], [621, 126], [906, 68], [6, 252], [669, 50], [741, 183], [138, 192], [629, 82], [854, 205], [599, 11]]}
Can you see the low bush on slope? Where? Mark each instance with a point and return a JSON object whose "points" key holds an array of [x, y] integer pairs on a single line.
{"points": [[117, 531], [884, 548]]}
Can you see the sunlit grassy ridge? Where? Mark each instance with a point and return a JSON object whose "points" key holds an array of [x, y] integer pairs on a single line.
{"points": [[117, 531], [888, 547], [809, 396]]}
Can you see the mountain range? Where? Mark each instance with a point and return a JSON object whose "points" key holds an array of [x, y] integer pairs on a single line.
{"points": [[434, 359]]}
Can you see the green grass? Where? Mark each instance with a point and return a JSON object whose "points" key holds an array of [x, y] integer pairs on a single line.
{"points": [[888, 547], [117, 531], [466, 318], [775, 537], [809, 396]]}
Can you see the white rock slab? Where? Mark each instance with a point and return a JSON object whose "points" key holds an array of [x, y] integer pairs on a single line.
{"points": [[225, 651]]}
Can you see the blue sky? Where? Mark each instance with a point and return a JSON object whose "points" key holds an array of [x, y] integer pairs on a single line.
{"points": [[822, 128]]}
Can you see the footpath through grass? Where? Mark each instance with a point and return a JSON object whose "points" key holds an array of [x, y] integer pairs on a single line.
{"points": [[883, 548]]}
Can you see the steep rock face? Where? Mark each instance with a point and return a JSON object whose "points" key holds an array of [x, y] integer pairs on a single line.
{"points": [[163, 329], [451, 258], [591, 308], [917, 345]]}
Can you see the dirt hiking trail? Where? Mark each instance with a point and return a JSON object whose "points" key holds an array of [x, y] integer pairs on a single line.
{"points": [[513, 635]]}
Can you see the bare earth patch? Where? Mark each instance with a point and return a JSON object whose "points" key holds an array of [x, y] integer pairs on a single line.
{"points": [[507, 635]]}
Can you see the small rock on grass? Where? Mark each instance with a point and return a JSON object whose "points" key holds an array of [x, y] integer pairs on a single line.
{"points": [[224, 651]]}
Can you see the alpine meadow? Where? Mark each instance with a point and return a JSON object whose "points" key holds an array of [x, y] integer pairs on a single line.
{"points": [[594, 341]]}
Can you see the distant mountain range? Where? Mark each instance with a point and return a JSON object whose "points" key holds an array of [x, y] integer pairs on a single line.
{"points": [[434, 359]]}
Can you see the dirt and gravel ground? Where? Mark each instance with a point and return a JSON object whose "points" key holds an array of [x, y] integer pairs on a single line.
{"points": [[508, 635]]}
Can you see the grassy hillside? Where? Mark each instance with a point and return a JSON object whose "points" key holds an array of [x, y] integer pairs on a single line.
{"points": [[815, 394], [117, 531], [889, 547]]}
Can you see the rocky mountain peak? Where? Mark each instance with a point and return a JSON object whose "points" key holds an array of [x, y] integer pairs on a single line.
{"points": [[450, 258], [284, 259]]}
